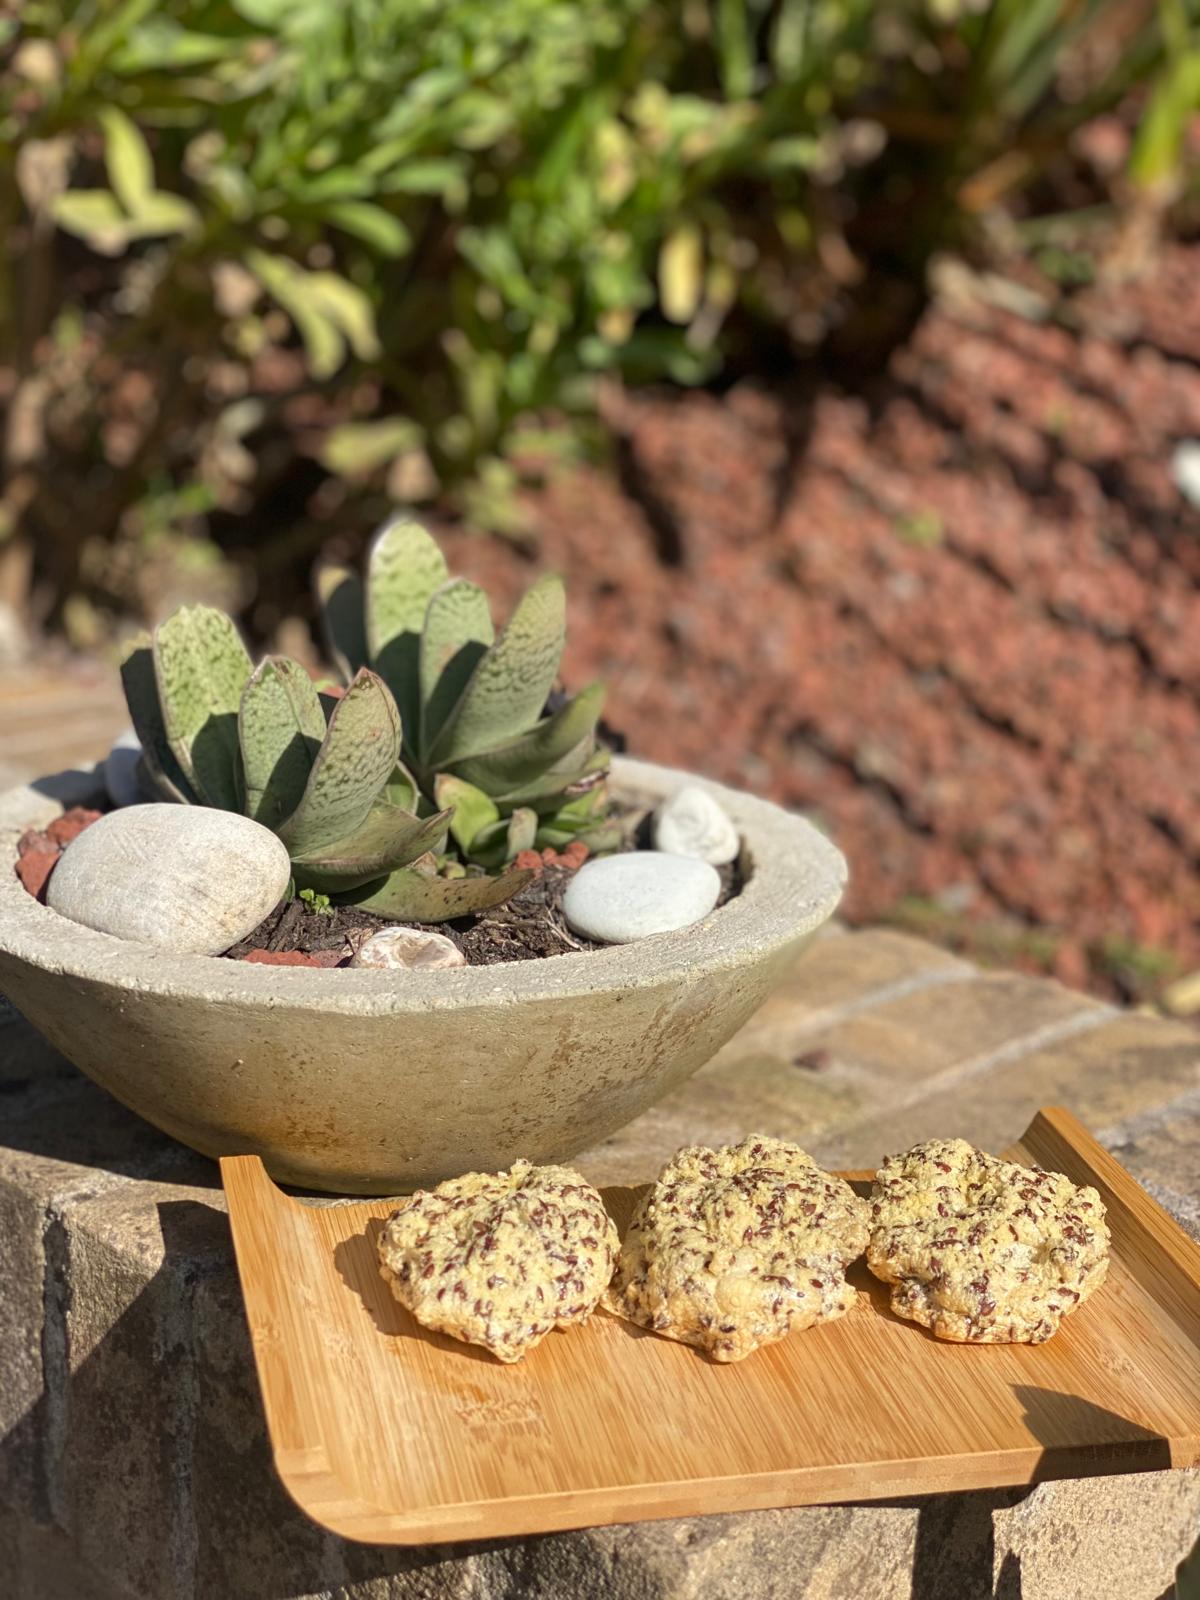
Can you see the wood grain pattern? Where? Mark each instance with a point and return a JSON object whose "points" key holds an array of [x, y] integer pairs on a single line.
{"points": [[387, 1433]]}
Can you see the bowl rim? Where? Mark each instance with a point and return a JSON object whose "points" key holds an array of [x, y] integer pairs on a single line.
{"points": [[795, 880]]}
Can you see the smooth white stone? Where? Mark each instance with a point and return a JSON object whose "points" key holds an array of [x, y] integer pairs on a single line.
{"points": [[412, 949], [691, 823], [120, 770], [1185, 469], [189, 879], [621, 898]]}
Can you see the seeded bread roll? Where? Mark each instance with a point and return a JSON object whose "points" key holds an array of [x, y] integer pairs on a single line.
{"points": [[499, 1259], [736, 1248], [984, 1251]]}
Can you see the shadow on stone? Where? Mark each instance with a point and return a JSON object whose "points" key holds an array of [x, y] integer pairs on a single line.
{"points": [[149, 1450], [53, 1111], [955, 1552]]}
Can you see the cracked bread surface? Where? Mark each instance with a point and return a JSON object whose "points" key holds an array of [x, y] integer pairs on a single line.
{"points": [[498, 1259], [980, 1250], [736, 1248]]}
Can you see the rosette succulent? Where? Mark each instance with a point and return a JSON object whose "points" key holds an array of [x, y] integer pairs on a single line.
{"points": [[477, 735], [319, 770]]}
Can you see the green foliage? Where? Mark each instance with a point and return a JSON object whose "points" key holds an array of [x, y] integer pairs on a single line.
{"points": [[317, 769], [1157, 161], [320, 904], [447, 217], [476, 742]]}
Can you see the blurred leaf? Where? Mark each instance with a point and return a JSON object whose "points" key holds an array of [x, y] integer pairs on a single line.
{"points": [[127, 158], [161, 214], [735, 46], [372, 224], [160, 42], [348, 308], [432, 176], [94, 215], [327, 310], [360, 447], [681, 273]]}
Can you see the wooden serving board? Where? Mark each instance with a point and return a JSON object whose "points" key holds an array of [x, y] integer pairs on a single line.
{"points": [[387, 1433]]}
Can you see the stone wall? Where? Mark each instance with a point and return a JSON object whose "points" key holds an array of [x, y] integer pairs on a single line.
{"points": [[133, 1458]]}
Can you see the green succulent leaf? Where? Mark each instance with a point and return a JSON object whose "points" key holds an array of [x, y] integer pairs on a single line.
{"points": [[508, 688], [340, 592], [356, 760], [599, 839], [522, 829], [402, 789], [387, 839], [404, 569], [473, 810], [145, 712], [281, 725], [456, 633], [201, 667], [509, 769], [490, 846], [411, 896], [586, 805]]}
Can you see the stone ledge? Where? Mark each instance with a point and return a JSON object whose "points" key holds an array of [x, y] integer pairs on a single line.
{"points": [[135, 1464]]}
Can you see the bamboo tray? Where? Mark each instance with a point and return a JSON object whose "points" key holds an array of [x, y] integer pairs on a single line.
{"points": [[384, 1432]]}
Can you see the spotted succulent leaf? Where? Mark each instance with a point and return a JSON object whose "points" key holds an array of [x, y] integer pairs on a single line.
{"points": [[412, 896], [404, 569], [508, 688], [201, 667], [340, 591], [356, 760], [163, 772], [456, 634], [281, 726], [514, 769], [387, 839]]}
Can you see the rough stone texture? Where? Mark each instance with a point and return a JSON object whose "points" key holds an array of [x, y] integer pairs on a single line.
{"points": [[185, 879], [134, 1463], [1115, 1067]]}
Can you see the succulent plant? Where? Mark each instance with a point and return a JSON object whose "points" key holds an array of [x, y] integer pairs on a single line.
{"points": [[473, 703], [319, 771]]}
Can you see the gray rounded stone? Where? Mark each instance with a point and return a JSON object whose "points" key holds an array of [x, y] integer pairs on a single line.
{"points": [[691, 823], [409, 950], [189, 879], [121, 770], [621, 898]]}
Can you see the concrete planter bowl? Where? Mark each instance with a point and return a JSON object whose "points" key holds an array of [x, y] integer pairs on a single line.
{"points": [[376, 1082]]}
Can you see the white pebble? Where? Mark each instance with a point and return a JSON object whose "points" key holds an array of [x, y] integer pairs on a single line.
{"points": [[184, 878], [691, 823], [412, 949], [1185, 469], [621, 898], [120, 770]]}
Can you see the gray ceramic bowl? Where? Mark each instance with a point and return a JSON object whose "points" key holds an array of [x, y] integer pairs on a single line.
{"points": [[374, 1082]]}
